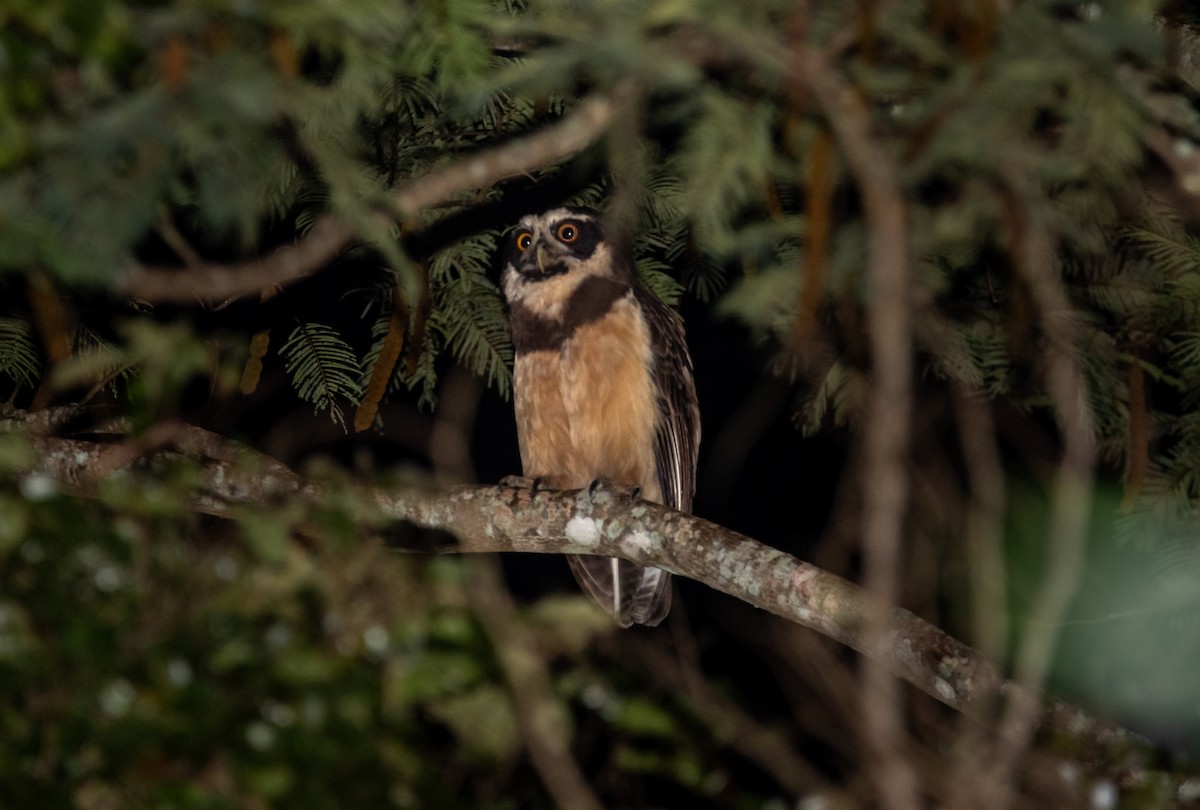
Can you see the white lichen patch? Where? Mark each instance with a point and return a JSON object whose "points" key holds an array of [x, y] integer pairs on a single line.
{"points": [[803, 615], [801, 575], [637, 544], [583, 532], [945, 690]]}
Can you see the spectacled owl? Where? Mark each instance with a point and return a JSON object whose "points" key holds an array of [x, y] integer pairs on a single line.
{"points": [[602, 387]]}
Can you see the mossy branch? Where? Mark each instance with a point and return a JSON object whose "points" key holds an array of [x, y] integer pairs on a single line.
{"points": [[489, 519]]}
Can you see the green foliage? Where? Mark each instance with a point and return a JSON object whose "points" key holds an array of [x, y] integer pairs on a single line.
{"points": [[1129, 641], [179, 134], [157, 659], [158, 670], [470, 320], [726, 158], [468, 315], [323, 368], [18, 356], [226, 122]]}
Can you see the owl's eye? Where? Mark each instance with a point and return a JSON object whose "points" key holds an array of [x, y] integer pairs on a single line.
{"points": [[568, 232], [524, 240]]}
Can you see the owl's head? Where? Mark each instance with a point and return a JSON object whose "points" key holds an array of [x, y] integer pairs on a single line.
{"points": [[554, 243], [549, 255]]}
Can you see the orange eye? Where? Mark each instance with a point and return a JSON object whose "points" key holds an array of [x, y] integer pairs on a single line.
{"points": [[567, 232], [524, 240]]}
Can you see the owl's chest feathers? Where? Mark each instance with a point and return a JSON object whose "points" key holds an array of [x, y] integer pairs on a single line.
{"points": [[586, 409]]}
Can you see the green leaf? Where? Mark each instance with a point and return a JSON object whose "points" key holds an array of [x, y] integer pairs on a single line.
{"points": [[472, 322], [323, 368], [644, 718], [483, 720], [18, 355]]}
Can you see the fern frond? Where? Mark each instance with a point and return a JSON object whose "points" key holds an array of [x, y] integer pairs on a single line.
{"points": [[837, 398], [1171, 249], [1184, 349], [472, 255], [656, 275], [727, 158], [323, 369], [471, 319], [424, 376], [952, 355], [18, 354], [96, 361]]}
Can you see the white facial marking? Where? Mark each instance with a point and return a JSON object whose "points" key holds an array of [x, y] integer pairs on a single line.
{"points": [[547, 296]]}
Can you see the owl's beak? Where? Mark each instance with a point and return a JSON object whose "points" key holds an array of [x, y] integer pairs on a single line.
{"points": [[539, 253]]}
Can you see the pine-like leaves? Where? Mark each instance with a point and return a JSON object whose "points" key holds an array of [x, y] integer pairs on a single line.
{"points": [[471, 321], [323, 368], [18, 356]]}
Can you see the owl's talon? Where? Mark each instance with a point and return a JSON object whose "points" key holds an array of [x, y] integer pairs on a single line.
{"points": [[606, 485], [521, 482], [597, 485]]}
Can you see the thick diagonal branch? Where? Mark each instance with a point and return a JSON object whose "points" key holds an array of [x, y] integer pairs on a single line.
{"points": [[502, 519]]}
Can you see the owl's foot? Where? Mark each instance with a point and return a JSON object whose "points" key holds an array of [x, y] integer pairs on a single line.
{"points": [[604, 485], [521, 482]]}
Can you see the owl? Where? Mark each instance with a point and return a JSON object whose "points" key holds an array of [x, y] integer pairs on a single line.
{"points": [[602, 387]]}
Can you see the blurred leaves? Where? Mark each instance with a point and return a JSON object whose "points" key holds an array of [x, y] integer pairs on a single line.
{"points": [[19, 360], [154, 658], [482, 720], [1129, 643], [155, 668], [157, 361]]}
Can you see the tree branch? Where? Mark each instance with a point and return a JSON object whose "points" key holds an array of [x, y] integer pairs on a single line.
{"points": [[540, 715], [328, 236], [884, 475], [477, 519], [726, 721], [1034, 254]]}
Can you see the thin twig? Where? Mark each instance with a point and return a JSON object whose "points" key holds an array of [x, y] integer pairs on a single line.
{"points": [[988, 583], [985, 520], [177, 242], [729, 723], [1034, 255], [540, 716], [885, 478], [328, 236], [217, 282]]}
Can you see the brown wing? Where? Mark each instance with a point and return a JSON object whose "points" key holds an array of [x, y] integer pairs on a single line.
{"points": [[677, 437]]}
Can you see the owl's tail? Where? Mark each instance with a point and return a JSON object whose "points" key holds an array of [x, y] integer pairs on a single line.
{"points": [[632, 594]]}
